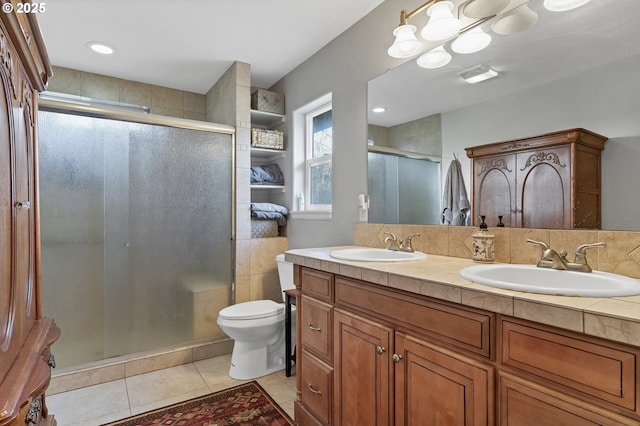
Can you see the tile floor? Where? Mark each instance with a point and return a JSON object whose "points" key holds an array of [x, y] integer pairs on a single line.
{"points": [[118, 399]]}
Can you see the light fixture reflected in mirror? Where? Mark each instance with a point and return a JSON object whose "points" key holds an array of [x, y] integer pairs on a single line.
{"points": [[483, 8], [563, 5], [472, 41], [435, 58], [516, 20]]}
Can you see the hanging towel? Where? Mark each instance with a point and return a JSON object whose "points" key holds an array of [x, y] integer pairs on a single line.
{"points": [[455, 204]]}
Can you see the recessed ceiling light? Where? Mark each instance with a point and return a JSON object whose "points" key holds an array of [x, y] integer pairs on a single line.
{"points": [[100, 47], [379, 109]]}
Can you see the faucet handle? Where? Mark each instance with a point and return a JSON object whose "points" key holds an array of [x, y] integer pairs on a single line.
{"points": [[581, 255], [391, 237], [543, 245], [395, 244], [583, 248], [407, 242], [410, 236]]}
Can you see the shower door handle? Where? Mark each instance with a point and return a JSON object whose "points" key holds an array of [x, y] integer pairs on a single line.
{"points": [[23, 205]]}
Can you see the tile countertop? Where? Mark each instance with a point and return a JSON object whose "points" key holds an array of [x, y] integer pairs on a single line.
{"points": [[616, 318]]}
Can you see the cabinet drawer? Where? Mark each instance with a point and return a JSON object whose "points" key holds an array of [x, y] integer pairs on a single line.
{"points": [[317, 284], [316, 327], [523, 403], [590, 366], [317, 378], [467, 329]]}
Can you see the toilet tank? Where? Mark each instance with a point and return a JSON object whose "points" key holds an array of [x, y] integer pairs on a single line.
{"points": [[285, 272]]}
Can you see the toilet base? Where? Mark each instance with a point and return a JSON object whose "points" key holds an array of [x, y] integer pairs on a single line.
{"points": [[251, 360]]}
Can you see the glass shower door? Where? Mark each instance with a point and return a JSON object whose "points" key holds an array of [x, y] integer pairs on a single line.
{"points": [[136, 234]]}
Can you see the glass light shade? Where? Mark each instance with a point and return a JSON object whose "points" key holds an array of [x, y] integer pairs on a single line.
{"points": [[442, 24], [435, 58], [472, 41], [562, 5], [406, 44], [513, 22]]}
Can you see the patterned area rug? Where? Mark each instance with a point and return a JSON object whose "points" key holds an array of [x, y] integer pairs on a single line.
{"points": [[246, 404]]}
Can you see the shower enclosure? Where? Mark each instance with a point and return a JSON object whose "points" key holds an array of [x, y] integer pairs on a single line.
{"points": [[403, 189], [136, 231]]}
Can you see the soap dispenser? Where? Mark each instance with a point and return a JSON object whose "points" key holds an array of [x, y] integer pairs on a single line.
{"points": [[483, 244]]}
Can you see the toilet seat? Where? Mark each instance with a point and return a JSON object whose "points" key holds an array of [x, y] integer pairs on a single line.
{"points": [[252, 310]]}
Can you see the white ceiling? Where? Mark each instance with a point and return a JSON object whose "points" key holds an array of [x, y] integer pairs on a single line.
{"points": [[557, 46], [189, 44]]}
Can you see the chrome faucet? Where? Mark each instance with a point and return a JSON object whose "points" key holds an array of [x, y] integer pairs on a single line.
{"points": [[400, 245], [550, 258]]}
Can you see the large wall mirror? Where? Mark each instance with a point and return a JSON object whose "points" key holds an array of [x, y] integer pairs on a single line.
{"points": [[579, 68]]}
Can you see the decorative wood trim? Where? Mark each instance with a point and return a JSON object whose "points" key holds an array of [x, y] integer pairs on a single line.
{"points": [[496, 163], [543, 157]]}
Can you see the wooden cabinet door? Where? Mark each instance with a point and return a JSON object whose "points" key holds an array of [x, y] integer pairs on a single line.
{"points": [[17, 222], [544, 188], [494, 186], [8, 351], [363, 374], [436, 387]]}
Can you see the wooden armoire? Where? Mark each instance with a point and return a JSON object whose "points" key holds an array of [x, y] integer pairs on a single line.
{"points": [[547, 181], [25, 335]]}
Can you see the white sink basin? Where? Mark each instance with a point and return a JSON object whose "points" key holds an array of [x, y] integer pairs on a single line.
{"points": [[550, 281], [376, 255]]}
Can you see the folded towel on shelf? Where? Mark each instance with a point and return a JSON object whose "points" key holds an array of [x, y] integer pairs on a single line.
{"points": [[270, 211], [266, 174]]}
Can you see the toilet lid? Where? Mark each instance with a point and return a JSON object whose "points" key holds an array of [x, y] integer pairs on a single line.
{"points": [[252, 310]]}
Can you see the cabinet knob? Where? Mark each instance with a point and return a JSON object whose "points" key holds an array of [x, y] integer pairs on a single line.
{"points": [[23, 205], [316, 391], [380, 350], [396, 358], [314, 328]]}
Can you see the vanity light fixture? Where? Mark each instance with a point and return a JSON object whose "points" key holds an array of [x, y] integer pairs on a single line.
{"points": [[99, 47], [512, 16], [478, 73], [442, 24]]}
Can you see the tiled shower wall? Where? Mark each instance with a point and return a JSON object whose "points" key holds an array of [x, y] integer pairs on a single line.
{"points": [[161, 100], [621, 253]]}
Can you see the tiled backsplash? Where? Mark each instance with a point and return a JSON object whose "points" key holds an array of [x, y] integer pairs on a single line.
{"points": [[620, 255]]}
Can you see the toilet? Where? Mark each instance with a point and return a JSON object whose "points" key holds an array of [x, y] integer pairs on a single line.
{"points": [[258, 329]]}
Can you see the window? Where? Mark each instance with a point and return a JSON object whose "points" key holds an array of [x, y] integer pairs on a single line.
{"points": [[318, 156], [312, 147]]}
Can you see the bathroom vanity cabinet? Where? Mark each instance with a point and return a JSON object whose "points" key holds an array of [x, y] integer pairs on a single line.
{"points": [[372, 354], [560, 171], [25, 335]]}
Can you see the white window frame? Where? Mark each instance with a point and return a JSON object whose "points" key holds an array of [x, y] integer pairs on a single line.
{"points": [[300, 171], [313, 162]]}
